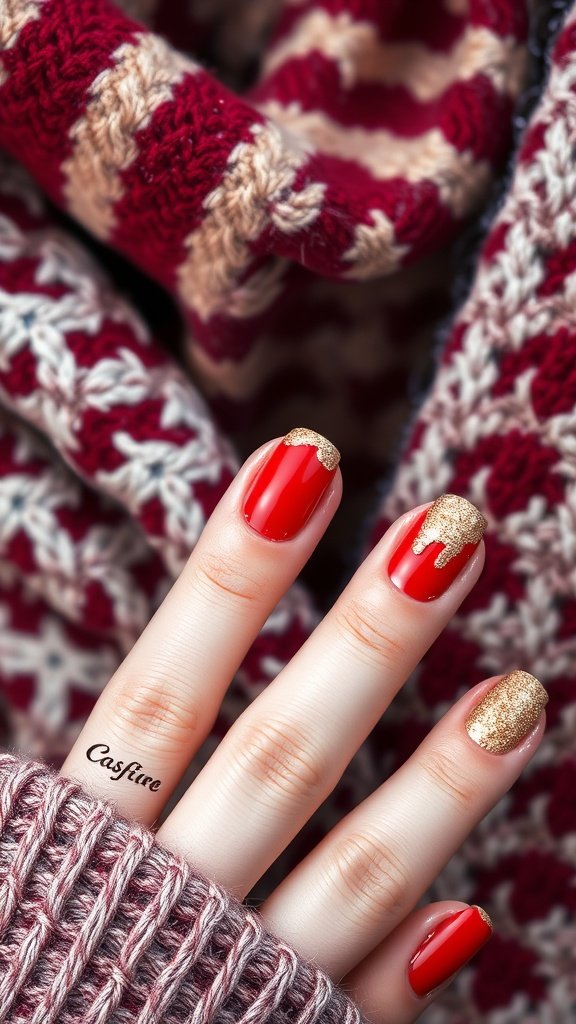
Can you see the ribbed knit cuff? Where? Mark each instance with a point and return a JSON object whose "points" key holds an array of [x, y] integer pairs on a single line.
{"points": [[99, 923]]}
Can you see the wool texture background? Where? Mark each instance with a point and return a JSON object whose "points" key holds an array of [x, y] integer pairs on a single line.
{"points": [[293, 177]]}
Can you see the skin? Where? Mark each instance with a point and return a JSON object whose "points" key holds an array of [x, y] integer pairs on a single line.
{"points": [[349, 904]]}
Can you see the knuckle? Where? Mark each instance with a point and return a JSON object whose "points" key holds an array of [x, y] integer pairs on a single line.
{"points": [[369, 875], [279, 757], [360, 623], [450, 777], [229, 576], [149, 709]]}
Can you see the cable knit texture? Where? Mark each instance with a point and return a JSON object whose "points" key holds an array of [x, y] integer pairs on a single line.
{"points": [[152, 154], [292, 176], [99, 923]]}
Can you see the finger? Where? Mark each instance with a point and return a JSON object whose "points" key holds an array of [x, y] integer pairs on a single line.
{"points": [[161, 703], [404, 974], [287, 751], [363, 878]]}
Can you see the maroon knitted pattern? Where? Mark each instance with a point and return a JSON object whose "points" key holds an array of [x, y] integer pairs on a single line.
{"points": [[338, 143], [301, 228], [499, 427], [100, 924], [149, 152]]}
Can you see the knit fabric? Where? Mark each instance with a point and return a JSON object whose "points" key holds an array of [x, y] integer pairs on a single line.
{"points": [[81, 574], [499, 426], [102, 925], [367, 138], [302, 229], [162, 161], [151, 154]]}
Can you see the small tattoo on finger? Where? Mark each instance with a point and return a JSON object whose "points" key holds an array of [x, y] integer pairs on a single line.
{"points": [[98, 754]]}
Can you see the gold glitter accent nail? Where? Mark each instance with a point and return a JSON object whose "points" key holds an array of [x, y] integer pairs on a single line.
{"points": [[327, 454], [452, 521], [484, 916], [507, 713]]}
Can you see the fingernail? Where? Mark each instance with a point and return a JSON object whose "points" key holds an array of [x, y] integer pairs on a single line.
{"points": [[507, 713], [446, 949], [289, 485], [437, 547]]}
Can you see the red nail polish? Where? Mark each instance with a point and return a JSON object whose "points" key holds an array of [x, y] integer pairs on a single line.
{"points": [[437, 547], [448, 948], [290, 484]]}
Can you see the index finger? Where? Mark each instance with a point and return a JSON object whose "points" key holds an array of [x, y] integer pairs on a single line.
{"points": [[162, 701]]}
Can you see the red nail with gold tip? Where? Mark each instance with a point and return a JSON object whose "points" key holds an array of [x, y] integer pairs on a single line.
{"points": [[437, 547], [290, 484], [446, 949]]}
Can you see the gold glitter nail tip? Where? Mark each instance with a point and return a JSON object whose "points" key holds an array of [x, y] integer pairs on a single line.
{"points": [[452, 521], [507, 713], [327, 453]]}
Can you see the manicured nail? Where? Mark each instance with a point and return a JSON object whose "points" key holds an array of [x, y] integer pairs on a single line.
{"points": [[507, 713], [289, 485], [437, 547], [447, 948]]}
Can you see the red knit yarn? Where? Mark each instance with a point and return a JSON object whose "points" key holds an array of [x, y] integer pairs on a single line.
{"points": [[498, 426], [337, 163]]}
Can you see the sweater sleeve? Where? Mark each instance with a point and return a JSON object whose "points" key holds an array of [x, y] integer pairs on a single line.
{"points": [[100, 924], [211, 193]]}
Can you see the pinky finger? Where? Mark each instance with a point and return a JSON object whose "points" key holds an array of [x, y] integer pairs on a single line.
{"points": [[405, 973]]}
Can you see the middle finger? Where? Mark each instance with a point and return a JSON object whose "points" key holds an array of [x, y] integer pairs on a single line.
{"points": [[287, 751]]}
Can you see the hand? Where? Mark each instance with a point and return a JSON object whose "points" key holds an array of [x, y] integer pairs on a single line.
{"points": [[349, 904]]}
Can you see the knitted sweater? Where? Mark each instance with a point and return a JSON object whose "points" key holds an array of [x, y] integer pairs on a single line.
{"points": [[102, 925], [293, 178]]}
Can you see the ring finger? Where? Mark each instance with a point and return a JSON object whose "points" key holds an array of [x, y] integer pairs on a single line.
{"points": [[365, 876]]}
